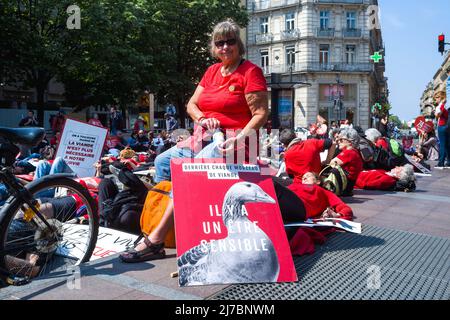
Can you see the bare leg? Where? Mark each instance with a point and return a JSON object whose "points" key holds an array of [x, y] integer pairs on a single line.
{"points": [[159, 234]]}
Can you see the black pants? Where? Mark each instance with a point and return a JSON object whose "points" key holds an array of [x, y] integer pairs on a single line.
{"points": [[291, 207], [64, 208], [129, 218]]}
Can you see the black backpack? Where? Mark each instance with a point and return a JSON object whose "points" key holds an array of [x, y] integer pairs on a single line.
{"points": [[391, 158], [366, 149]]}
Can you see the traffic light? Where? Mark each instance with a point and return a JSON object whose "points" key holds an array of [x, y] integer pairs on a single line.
{"points": [[442, 43]]}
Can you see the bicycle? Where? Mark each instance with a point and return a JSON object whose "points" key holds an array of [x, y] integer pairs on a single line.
{"points": [[40, 230]]}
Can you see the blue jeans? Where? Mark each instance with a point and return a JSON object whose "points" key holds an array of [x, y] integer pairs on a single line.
{"points": [[58, 166], [162, 161], [444, 145], [44, 169]]}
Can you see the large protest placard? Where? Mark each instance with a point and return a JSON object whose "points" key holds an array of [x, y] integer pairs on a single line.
{"points": [[228, 225], [81, 146], [109, 242]]}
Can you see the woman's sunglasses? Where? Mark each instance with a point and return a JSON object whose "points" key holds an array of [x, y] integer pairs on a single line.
{"points": [[221, 43]]}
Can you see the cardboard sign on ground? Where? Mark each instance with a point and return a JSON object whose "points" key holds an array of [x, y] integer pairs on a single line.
{"points": [[417, 165], [81, 146], [228, 225], [109, 242]]}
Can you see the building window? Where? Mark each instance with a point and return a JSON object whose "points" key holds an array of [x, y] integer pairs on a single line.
{"points": [[324, 20], [324, 53], [265, 60], [290, 21], [351, 20], [264, 25], [350, 54], [290, 56]]}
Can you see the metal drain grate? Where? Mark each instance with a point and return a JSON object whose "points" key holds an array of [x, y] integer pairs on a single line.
{"points": [[412, 266]]}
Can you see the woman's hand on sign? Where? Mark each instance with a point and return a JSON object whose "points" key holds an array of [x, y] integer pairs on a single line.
{"points": [[231, 144], [210, 123]]}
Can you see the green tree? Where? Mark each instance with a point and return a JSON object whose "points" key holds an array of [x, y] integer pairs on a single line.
{"points": [[122, 47], [395, 120]]}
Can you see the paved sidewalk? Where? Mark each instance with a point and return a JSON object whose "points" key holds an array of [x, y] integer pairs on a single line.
{"points": [[426, 211]]}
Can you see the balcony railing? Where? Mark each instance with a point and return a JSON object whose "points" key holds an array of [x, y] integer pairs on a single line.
{"points": [[263, 38], [325, 33], [344, 67], [268, 4], [290, 34], [351, 33], [319, 67], [343, 1]]}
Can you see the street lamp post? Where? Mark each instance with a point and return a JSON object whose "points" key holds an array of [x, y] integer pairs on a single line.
{"points": [[338, 102]]}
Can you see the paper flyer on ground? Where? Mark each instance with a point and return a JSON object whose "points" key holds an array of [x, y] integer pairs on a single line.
{"points": [[228, 225], [350, 226]]}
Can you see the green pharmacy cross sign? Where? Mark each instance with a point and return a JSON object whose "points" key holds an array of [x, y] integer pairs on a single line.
{"points": [[376, 57], [375, 107]]}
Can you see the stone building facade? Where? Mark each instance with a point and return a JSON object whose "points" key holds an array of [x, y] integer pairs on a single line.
{"points": [[317, 52]]}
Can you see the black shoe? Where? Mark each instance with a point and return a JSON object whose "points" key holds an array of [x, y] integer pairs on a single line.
{"points": [[439, 166], [152, 252]]}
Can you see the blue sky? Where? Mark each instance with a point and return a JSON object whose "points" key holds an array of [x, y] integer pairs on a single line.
{"points": [[410, 32]]}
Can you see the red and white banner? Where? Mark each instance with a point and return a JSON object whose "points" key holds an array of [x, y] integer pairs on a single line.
{"points": [[228, 225]]}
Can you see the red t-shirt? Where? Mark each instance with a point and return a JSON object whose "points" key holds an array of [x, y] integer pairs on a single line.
{"points": [[223, 98], [316, 199], [304, 157], [375, 180], [444, 115], [352, 163]]}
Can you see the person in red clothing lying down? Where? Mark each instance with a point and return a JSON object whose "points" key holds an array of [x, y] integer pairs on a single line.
{"points": [[301, 201], [399, 179]]}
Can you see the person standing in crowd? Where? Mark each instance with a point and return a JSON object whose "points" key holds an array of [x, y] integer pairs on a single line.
{"points": [[443, 135], [383, 126], [95, 121], [58, 122], [448, 85], [170, 109], [231, 95], [115, 120], [171, 122], [139, 124], [29, 121]]}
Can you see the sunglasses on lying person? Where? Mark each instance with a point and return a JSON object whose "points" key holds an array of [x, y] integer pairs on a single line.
{"points": [[221, 43]]}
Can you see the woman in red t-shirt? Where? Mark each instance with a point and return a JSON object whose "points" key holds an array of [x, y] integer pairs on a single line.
{"points": [[232, 95], [386, 180], [303, 200], [349, 159], [443, 133]]}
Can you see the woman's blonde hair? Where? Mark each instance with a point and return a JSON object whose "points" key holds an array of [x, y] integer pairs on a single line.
{"points": [[227, 29], [440, 94]]}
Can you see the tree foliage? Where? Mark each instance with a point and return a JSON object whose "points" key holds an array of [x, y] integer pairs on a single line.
{"points": [[122, 48]]}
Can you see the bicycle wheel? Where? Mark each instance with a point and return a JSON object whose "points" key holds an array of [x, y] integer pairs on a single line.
{"points": [[29, 247]]}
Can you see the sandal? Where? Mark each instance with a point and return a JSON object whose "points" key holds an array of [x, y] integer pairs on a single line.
{"points": [[152, 252], [21, 267]]}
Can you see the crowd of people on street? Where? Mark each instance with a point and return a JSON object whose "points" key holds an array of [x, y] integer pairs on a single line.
{"points": [[316, 175]]}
